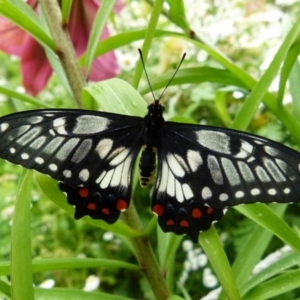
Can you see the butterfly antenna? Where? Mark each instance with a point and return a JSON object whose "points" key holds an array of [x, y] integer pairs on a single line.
{"points": [[182, 59], [142, 59]]}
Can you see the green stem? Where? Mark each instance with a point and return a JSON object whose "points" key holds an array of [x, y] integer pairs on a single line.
{"points": [[65, 52], [146, 257]]}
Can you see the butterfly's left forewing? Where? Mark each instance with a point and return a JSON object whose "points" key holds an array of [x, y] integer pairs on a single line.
{"points": [[202, 170], [91, 153]]}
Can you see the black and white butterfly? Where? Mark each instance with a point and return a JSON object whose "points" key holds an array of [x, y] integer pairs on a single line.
{"points": [[200, 171]]}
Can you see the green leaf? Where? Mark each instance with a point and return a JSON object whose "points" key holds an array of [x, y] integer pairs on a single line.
{"points": [[66, 6], [278, 267], [21, 269], [211, 244], [73, 294], [264, 216], [177, 14], [23, 16], [249, 108], [22, 97], [98, 26], [114, 95], [276, 286]]}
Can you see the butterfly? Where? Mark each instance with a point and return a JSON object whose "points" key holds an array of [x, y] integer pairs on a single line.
{"points": [[199, 170]]}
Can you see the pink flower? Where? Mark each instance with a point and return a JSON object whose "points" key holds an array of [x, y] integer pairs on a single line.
{"points": [[35, 67]]}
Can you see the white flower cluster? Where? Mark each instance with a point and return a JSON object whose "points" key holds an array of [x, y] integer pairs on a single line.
{"points": [[195, 260]]}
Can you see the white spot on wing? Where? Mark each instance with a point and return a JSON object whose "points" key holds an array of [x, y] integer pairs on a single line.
{"points": [[116, 179], [245, 171], [39, 160], [230, 171], [245, 150], [194, 160], [99, 179], [179, 194], [213, 140], [171, 185], [262, 174], [239, 194], [215, 170], [88, 124], [59, 125], [38, 142], [206, 193], [271, 151], [53, 167], [106, 180], [174, 166], [24, 156], [35, 119], [4, 126], [67, 173], [104, 147], [66, 149], [118, 155], [255, 191], [287, 190], [126, 176], [223, 197], [12, 150], [188, 194], [273, 170], [84, 174], [272, 192], [164, 177], [82, 151], [29, 135]]}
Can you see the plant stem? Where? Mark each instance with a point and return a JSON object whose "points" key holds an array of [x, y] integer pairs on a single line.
{"points": [[65, 52], [146, 257]]}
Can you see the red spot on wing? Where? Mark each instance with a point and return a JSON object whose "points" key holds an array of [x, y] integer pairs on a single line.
{"points": [[209, 210], [105, 211], [83, 192], [196, 213], [121, 205], [184, 223], [158, 209], [91, 206], [170, 222]]}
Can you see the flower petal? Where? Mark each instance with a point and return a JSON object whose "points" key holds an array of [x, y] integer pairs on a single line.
{"points": [[36, 69]]}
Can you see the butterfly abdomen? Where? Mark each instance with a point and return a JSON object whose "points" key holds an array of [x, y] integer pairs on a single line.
{"points": [[147, 165]]}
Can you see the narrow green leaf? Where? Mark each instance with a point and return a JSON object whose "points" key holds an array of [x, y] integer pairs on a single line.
{"points": [[211, 244], [74, 294], [20, 14], [278, 267], [21, 269], [66, 6], [253, 249], [42, 265], [264, 216], [177, 14], [294, 88], [249, 108], [286, 69], [98, 26], [22, 97], [276, 286], [5, 288], [149, 34], [114, 95]]}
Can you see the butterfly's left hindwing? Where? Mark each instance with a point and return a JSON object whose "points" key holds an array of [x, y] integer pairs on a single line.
{"points": [[202, 170], [91, 153]]}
